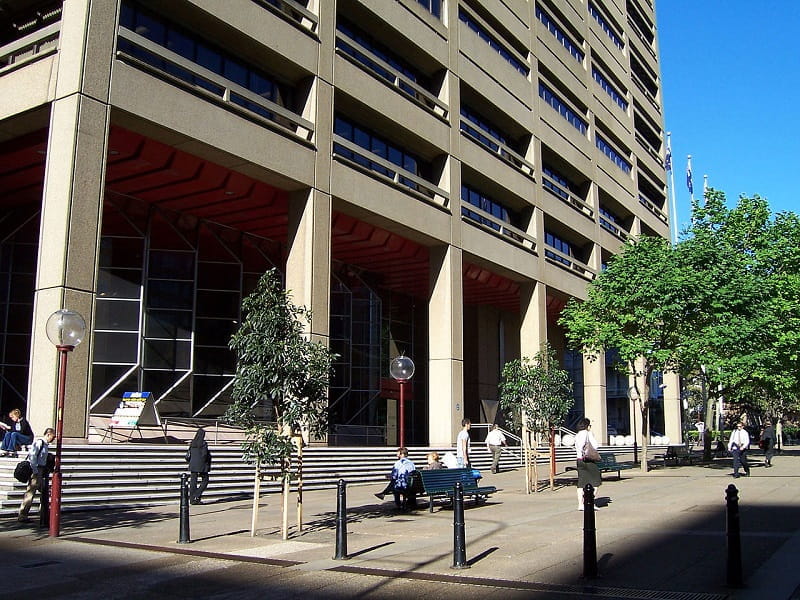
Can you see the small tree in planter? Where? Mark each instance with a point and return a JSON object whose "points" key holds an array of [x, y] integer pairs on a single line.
{"points": [[537, 394], [279, 367]]}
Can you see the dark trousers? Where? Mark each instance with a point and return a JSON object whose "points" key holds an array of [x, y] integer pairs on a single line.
{"points": [[195, 491], [769, 451], [740, 459]]}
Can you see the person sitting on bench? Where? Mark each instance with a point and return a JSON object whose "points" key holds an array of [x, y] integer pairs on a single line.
{"points": [[400, 481]]}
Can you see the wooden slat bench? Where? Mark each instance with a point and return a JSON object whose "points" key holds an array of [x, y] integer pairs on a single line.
{"points": [[439, 483]]}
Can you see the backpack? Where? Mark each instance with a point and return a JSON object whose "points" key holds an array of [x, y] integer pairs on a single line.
{"points": [[23, 471]]}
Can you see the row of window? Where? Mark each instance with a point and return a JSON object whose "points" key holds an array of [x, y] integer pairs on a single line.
{"points": [[492, 42], [433, 6], [559, 34], [375, 144], [546, 94], [561, 245], [472, 196], [551, 176], [615, 156], [605, 26], [377, 49], [485, 132], [609, 89], [178, 40]]}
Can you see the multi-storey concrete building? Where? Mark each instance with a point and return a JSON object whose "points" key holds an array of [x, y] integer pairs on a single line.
{"points": [[434, 177]]}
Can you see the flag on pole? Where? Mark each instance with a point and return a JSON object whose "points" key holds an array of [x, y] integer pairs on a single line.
{"points": [[689, 175], [668, 157]]}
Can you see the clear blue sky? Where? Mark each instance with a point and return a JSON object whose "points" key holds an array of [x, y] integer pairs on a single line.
{"points": [[731, 97]]}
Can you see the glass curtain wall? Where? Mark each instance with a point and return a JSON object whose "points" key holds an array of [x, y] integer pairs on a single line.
{"points": [[19, 241], [170, 288]]}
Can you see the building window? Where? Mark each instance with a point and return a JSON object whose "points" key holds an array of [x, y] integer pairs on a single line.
{"points": [[492, 41], [378, 146], [187, 45], [482, 130], [559, 34], [433, 6], [551, 178], [618, 160], [546, 94], [562, 246], [366, 42], [488, 205], [605, 26], [609, 89], [610, 221]]}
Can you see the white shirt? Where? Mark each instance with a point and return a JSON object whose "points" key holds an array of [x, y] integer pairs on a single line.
{"points": [[495, 438], [741, 438]]}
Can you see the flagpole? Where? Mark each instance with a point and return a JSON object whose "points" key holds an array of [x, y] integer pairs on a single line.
{"points": [[674, 209]]}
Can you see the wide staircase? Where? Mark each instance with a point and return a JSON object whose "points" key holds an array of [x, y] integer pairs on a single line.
{"points": [[134, 474]]}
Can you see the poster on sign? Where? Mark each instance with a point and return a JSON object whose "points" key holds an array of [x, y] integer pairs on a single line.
{"points": [[135, 409]]}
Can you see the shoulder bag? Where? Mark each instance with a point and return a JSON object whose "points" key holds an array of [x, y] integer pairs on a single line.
{"points": [[589, 452]]}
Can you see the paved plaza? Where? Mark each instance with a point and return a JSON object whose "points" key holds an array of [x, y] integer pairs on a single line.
{"points": [[660, 535]]}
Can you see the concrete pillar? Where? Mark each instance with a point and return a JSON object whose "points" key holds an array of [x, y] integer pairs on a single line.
{"points": [[594, 396], [308, 265], [673, 408], [445, 325], [72, 207], [533, 318]]}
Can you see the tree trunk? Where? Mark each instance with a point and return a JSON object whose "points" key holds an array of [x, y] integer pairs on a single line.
{"points": [[526, 457], [299, 441], [256, 494], [552, 459]]}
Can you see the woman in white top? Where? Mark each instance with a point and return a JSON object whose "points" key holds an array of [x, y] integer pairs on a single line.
{"points": [[588, 472]]}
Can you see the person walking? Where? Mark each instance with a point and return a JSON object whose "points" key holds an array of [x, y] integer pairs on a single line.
{"points": [[199, 459], [779, 435], [588, 471], [462, 444], [37, 456], [495, 440], [738, 445], [768, 443]]}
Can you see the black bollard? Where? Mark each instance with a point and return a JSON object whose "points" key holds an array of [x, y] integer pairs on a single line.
{"points": [[184, 534], [589, 534], [733, 538], [44, 501], [459, 536], [341, 522]]}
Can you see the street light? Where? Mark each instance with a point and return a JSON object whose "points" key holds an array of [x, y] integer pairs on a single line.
{"points": [[633, 396], [402, 370], [65, 329]]}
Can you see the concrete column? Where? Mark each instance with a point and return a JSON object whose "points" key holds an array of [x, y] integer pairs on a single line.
{"points": [[672, 408], [533, 318], [445, 326], [72, 207], [308, 265], [594, 396]]}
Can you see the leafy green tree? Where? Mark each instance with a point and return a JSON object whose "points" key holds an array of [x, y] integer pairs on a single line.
{"points": [[636, 306], [745, 335], [278, 370], [537, 395]]}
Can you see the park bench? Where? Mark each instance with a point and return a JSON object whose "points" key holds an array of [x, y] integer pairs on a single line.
{"points": [[608, 464], [439, 483], [677, 455]]}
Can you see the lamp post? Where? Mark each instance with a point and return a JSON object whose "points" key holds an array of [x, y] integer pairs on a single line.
{"points": [[402, 370], [633, 396], [65, 329]]}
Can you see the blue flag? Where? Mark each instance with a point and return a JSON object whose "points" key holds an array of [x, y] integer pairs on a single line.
{"points": [[668, 160], [689, 178]]}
